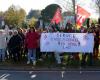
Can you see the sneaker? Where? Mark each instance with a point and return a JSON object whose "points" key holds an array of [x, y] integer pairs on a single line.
{"points": [[40, 59], [28, 62], [34, 63]]}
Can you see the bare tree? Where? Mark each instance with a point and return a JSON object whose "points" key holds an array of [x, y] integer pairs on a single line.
{"points": [[67, 5]]}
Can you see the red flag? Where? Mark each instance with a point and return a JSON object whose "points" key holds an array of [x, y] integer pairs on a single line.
{"points": [[82, 14], [57, 17]]}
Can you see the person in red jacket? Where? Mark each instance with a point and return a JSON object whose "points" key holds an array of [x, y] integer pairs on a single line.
{"points": [[31, 41]]}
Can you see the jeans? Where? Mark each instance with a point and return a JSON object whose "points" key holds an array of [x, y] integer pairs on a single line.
{"points": [[57, 56], [2, 52], [31, 55]]}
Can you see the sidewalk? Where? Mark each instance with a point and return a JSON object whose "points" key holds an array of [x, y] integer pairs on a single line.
{"points": [[35, 68]]}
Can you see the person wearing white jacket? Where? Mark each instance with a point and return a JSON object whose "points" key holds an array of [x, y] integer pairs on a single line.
{"points": [[3, 44]]}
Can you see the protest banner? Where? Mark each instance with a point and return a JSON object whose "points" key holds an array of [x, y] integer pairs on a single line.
{"points": [[67, 42]]}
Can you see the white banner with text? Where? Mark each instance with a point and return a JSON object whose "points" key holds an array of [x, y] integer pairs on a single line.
{"points": [[67, 42]]}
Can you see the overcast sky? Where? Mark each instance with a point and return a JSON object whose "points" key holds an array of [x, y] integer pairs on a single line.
{"points": [[26, 4], [41, 4]]}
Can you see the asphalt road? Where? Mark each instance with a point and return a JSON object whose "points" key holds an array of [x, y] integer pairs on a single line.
{"points": [[49, 75]]}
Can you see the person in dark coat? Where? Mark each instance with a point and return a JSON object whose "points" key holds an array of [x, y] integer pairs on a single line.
{"points": [[22, 50], [15, 46], [96, 43]]}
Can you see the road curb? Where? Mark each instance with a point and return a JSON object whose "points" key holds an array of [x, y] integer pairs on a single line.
{"points": [[31, 68]]}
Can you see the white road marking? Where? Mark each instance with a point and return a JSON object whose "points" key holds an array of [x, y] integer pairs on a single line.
{"points": [[4, 76], [62, 74], [80, 72], [33, 76]]}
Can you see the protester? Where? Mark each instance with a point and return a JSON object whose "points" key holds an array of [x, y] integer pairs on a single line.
{"points": [[84, 55], [96, 43], [3, 45], [20, 32], [31, 42], [8, 52], [57, 57], [38, 52], [15, 46]]}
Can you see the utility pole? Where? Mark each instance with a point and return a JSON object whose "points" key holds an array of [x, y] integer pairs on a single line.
{"points": [[74, 2], [98, 4], [74, 11]]}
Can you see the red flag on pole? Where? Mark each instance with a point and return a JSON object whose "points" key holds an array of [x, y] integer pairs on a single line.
{"points": [[57, 17], [82, 14]]}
